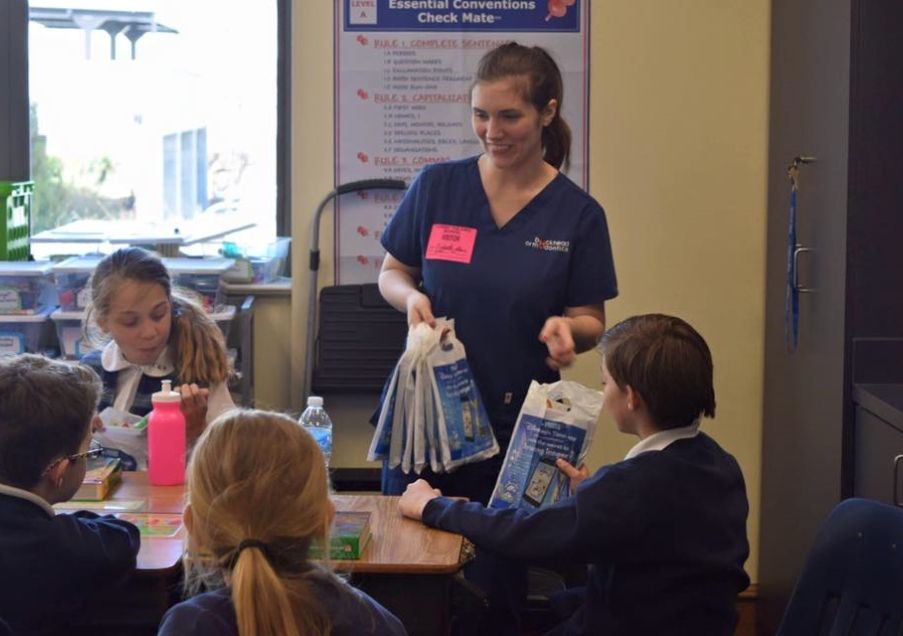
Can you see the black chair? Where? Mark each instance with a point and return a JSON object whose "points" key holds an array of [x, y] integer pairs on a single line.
{"points": [[852, 582], [554, 592]]}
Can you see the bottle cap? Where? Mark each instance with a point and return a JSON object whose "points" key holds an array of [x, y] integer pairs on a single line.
{"points": [[166, 394], [314, 400]]}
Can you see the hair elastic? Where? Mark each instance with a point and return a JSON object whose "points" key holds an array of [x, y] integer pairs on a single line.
{"points": [[244, 544]]}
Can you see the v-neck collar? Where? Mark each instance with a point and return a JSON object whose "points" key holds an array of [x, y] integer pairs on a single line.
{"points": [[522, 214]]}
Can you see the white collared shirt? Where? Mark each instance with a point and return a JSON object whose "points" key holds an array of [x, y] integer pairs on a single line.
{"points": [[218, 401], [42, 503], [663, 439], [130, 374]]}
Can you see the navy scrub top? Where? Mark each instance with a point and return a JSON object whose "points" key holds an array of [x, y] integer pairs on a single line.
{"points": [[554, 253]]}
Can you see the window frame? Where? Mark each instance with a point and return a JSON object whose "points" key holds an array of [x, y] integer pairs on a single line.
{"points": [[15, 160], [15, 146]]}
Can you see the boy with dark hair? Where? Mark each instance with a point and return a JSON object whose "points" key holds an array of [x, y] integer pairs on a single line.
{"points": [[51, 565], [665, 529]]}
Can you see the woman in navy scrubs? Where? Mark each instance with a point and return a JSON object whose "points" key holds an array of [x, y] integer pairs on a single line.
{"points": [[531, 266]]}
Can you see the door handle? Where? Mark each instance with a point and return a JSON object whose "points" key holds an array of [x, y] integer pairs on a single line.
{"points": [[799, 249]]}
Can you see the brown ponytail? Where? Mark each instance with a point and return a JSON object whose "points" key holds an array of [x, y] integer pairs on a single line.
{"points": [[556, 142], [197, 346]]}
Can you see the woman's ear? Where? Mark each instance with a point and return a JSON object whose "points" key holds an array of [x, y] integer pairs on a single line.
{"points": [[548, 113]]}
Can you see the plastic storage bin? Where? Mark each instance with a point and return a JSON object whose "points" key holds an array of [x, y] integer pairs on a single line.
{"points": [[260, 265], [24, 334], [201, 278], [73, 281], [26, 288], [69, 333], [15, 215]]}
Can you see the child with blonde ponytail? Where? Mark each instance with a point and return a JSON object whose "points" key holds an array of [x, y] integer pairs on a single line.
{"points": [[258, 496], [147, 331]]}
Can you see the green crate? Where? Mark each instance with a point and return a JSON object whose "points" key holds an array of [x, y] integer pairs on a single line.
{"points": [[15, 205]]}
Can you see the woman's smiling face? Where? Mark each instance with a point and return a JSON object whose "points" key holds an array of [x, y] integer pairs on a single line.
{"points": [[507, 125]]}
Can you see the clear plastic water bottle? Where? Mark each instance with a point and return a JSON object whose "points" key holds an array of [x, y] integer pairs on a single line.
{"points": [[318, 424]]}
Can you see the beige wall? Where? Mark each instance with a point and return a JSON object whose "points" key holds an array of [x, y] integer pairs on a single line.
{"points": [[272, 362], [679, 94]]}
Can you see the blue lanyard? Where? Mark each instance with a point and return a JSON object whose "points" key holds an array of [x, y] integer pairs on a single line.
{"points": [[792, 294]]}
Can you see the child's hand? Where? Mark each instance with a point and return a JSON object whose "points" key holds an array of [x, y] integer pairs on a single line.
{"points": [[557, 336], [97, 424], [575, 475], [194, 408], [415, 498]]}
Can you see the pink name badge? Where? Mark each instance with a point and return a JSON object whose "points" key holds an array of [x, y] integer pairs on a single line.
{"points": [[451, 243]]}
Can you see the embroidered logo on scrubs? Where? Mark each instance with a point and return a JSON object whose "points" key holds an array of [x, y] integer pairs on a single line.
{"points": [[548, 245], [451, 243]]}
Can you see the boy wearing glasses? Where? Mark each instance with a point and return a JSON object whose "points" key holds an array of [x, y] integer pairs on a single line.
{"points": [[51, 565]]}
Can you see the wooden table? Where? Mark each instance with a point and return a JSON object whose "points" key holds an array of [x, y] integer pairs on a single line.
{"points": [[158, 555], [398, 545], [406, 566]]}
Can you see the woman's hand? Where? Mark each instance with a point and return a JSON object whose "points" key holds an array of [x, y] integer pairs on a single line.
{"points": [[415, 498], [194, 408], [398, 284], [419, 309], [557, 336], [575, 475]]}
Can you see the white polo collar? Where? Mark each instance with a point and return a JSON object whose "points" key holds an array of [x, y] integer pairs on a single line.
{"points": [[112, 360], [12, 491], [663, 439]]}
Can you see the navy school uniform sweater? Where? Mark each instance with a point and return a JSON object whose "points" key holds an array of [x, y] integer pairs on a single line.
{"points": [[53, 566], [352, 612], [664, 532]]}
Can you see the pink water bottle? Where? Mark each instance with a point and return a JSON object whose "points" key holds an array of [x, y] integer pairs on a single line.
{"points": [[166, 438]]}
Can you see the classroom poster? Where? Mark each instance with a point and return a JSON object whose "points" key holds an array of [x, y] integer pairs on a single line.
{"points": [[403, 70]]}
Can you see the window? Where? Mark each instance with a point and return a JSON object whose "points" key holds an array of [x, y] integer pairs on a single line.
{"points": [[159, 112]]}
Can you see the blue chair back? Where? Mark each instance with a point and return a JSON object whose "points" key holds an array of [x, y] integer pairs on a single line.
{"points": [[852, 582]]}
